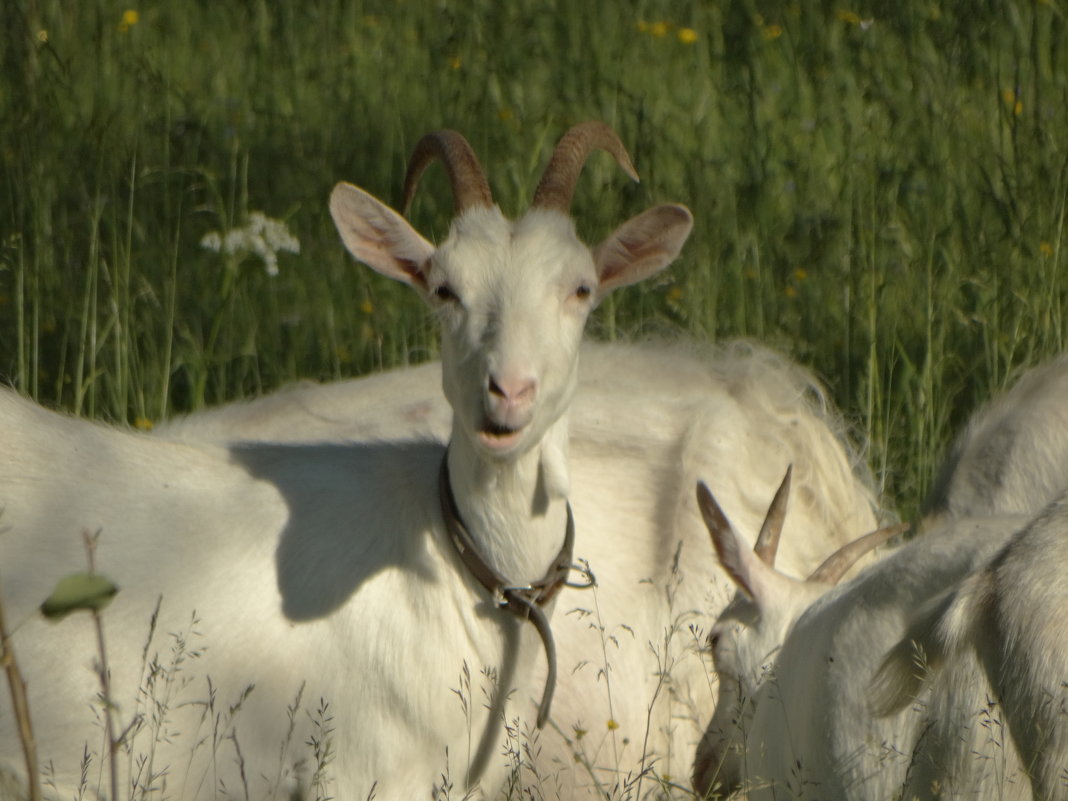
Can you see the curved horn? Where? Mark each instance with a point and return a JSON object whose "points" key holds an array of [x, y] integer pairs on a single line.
{"points": [[835, 566], [557, 183], [767, 544], [469, 185]]}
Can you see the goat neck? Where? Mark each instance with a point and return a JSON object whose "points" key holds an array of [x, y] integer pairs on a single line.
{"points": [[513, 509]]}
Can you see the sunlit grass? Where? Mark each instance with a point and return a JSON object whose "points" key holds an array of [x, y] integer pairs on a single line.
{"points": [[879, 190]]}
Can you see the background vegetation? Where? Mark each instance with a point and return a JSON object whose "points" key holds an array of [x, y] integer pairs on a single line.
{"points": [[879, 188]]}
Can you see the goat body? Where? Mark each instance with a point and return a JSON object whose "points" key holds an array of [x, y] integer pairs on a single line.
{"points": [[273, 575], [796, 660], [802, 723], [270, 542], [645, 421], [1002, 623], [1013, 456]]}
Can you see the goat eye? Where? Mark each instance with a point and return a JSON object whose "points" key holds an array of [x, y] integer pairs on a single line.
{"points": [[583, 292], [445, 294]]}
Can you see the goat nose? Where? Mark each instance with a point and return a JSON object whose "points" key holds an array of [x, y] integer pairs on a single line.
{"points": [[513, 391]]}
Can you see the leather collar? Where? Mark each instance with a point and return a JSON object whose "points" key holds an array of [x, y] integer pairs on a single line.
{"points": [[523, 601]]}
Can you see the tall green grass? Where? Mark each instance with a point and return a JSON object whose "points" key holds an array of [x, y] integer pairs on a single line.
{"points": [[879, 189]]}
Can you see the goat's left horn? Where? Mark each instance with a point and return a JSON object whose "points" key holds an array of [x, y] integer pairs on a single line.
{"points": [[767, 544], [469, 185], [836, 565], [557, 184]]}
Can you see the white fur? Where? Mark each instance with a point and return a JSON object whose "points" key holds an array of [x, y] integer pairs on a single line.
{"points": [[269, 541], [313, 554], [646, 422], [1013, 456], [1004, 623], [802, 725], [994, 630], [799, 658], [325, 566]]}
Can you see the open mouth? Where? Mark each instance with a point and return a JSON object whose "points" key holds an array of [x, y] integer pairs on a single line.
{"points": [[498, 436]]}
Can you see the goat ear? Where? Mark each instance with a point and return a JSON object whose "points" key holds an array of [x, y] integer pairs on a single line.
{"points": [[735, 554], [642, 246], [378, 236]]}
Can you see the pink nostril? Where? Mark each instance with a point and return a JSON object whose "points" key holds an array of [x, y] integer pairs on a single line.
{"points": [[512, 391]]}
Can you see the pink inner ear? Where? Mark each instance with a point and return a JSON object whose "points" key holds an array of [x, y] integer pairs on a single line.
{"points": [[642, 246], [619, 255], [388, 251], [378, 236], [415, 270]]}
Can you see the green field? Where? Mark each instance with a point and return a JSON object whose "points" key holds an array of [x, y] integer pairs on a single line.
{"points": [[879, 190]]}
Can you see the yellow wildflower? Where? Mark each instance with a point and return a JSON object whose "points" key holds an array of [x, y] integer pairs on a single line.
{"points": [[1045, 248], [642, 26], [850, 17], [505, 114], [771, 32], [658, 29], [1013, 100], [142, 424], [455, 63], [800, 274], [675, 294], [42, 36], [791, 292], [367, 307], [612, 725], [129, 19], [687, 35]]}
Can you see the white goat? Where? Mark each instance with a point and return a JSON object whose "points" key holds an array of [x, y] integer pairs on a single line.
{"points": [[646, 420], [327, 569], [1013, 456], [1008, 617], [979, 640], [795, 660]]}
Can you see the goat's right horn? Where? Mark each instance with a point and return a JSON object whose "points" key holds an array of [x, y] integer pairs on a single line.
{"points": [[767, 544], [557, 185], [469, 185], [836, 565]]}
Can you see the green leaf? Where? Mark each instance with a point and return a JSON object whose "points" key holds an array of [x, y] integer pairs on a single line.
{"points": [[87, 591]]}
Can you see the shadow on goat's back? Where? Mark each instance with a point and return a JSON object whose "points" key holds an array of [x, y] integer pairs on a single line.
{"points": [[354, 510]]}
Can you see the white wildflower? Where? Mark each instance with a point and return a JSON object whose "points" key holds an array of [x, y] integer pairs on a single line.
{"points": [[212, 241], [262, 237]]}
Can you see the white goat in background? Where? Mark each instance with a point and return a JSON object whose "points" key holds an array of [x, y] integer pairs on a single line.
{"points": [[326, 570], [814, 730], [646, 421], [1008, 617], [993, 629], [1013, 456], [795, 660]]}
